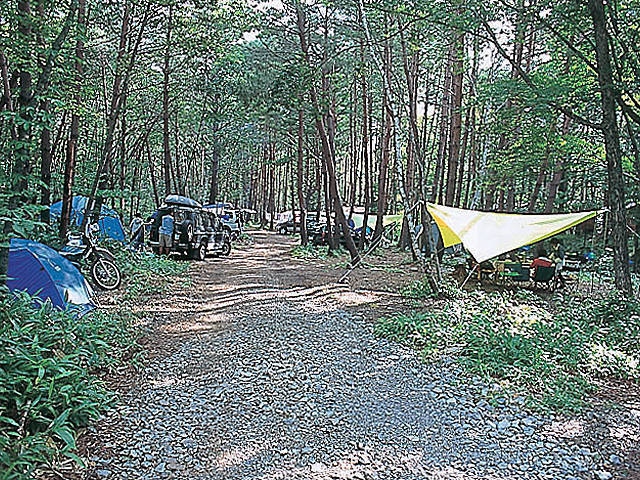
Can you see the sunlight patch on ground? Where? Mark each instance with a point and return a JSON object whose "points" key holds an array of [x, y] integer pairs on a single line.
{"points": [[236, 456], [199, 323], [355, 299], [567, 429], [625, 432], [164, 382], [353, 469]]}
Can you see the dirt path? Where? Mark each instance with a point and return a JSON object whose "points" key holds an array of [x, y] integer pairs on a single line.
{"points": [[265, 368]]}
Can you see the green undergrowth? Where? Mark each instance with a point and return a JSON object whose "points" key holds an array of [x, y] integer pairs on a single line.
{"points": [[50, 363], [310, 251], [553, 353], [145, 273]]}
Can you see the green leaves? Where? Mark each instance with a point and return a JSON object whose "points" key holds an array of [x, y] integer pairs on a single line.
{"points": [[48, 387], [556, 355]]}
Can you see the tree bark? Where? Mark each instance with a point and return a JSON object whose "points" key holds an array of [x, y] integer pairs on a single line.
{"points": [[612, 148], [74, 129], [166, 149], [325, 124], [455, 135], [302, 204]]}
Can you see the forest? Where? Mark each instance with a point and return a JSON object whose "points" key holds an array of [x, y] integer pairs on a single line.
{"points": [[506, 106]]}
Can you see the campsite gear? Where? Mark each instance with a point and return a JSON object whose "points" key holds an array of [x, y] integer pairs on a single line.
{"points": [[181, 201], [487, 234], [84, 250], [109, 222], [543, 276], [40, 270], [512, 273]]}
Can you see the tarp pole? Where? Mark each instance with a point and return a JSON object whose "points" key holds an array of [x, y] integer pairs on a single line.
{"points": [[373, 246], [469, 276]]}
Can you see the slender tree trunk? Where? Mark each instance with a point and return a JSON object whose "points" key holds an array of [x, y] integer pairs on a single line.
{"points": [[166, 149], [612, 148], [23, 153], [436, 193], [6, 103], [304, 236], [542, 173], [152, 174], [383, 169], [325, 124], [558, 173], [45, 166], [365, 154], [399, 167], [457, 71]]}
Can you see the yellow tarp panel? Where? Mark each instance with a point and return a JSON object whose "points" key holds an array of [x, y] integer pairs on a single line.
{"points": [[487, 234]]}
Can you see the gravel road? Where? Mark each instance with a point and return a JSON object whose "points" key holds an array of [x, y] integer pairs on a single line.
{"points": [[261, 378]]}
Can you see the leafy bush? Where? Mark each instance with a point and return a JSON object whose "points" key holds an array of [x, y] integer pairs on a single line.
{"points": [[146, 273], [555, 354], [309, 251], [420, 290], [47, 390]]}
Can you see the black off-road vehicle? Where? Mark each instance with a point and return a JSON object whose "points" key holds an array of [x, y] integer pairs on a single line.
{"points": [[196, 232]]}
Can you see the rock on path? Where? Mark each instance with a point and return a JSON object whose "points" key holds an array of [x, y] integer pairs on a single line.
{"points": [[294, 387]]}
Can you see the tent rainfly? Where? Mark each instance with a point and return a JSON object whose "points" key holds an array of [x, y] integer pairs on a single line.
{"points": [[40, 270], [488, 234]]}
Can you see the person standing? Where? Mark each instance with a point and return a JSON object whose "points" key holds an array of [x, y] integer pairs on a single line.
{"points": [[165, 234], [137, 232], [558, 255]]}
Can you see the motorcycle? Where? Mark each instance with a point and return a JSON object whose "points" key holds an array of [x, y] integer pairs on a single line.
{"points": [[84, 250]]}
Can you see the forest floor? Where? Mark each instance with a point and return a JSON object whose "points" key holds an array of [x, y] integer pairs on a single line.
{"points": [[262, 366]]}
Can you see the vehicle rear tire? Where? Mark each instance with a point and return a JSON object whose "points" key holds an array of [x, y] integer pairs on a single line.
{"points": [[200, 253], [106, 274], [188, 231], [226, 249], [282, 230]]}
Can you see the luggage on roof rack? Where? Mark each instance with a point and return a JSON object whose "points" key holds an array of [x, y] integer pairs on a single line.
{"points": [[182, 201]]}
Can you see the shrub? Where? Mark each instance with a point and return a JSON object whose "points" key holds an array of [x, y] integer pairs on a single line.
{"points": [[47, 390], [309, 251], [145, 273], [554, 354]]}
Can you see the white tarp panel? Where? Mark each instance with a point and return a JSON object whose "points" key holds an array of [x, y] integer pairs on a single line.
{"points": [[487, 234]]}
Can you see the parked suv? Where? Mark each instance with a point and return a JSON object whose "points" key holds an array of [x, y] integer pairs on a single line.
{"points": [[321, 236], [196, 233], [287, 226], [229, 217]]}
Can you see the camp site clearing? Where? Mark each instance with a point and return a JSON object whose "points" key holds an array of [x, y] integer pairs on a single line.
{"points": [[266, 367]]}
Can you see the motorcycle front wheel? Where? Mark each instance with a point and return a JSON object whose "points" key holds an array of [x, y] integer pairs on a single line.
{"points": [[106, 274]]}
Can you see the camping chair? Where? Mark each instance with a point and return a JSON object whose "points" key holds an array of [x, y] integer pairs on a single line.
{"points": [[515, 273], [543, 277]]}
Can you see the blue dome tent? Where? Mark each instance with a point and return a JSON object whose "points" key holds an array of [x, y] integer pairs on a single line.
{"points": [[40, 270], [110, 224]]}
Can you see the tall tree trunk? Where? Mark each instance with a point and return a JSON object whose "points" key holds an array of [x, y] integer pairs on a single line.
{"points": [[326, 132], [365, 154], [411, 64], [383, 169], [457, 71], [71, 155], [302, 204], [436, 193], [615, 177], [399, 167], [45, 166], [166, 149], [125, 62], [558, 173]]}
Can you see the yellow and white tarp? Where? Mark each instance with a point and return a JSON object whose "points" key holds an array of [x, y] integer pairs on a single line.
{"points": [[487, 234]]}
